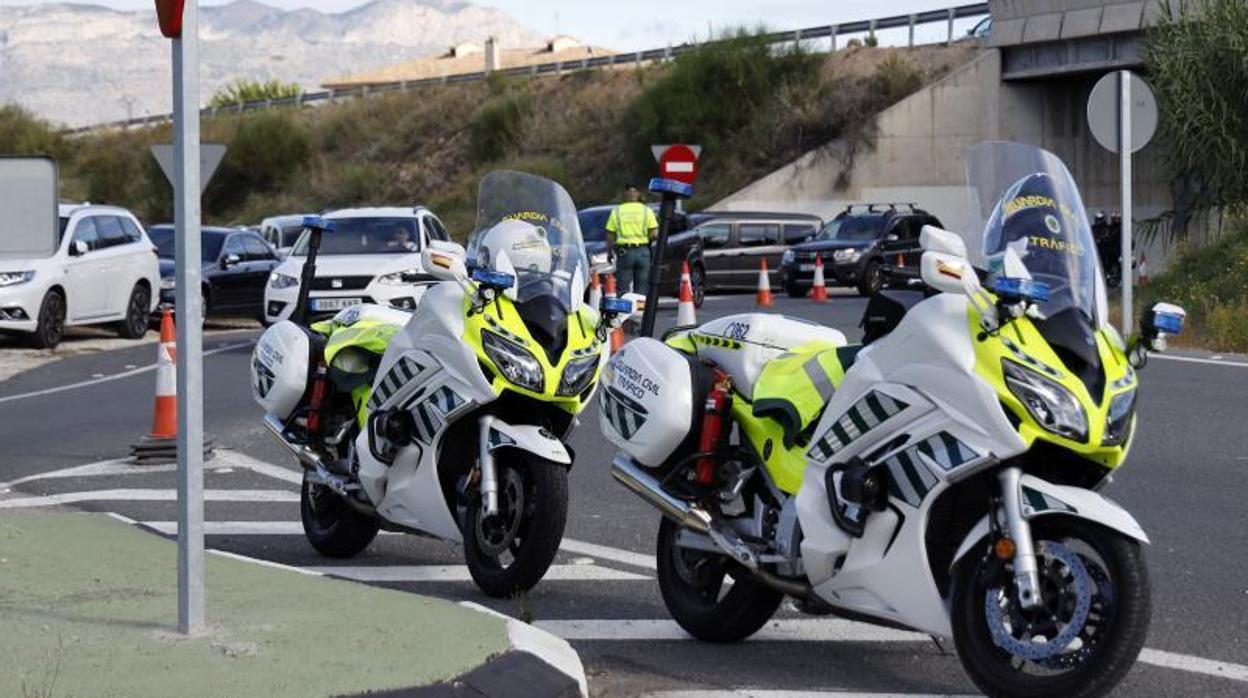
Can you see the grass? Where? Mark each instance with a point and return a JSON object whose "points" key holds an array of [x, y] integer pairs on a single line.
{"points": [[1211, 284]]}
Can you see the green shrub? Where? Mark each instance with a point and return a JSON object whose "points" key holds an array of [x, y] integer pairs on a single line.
{"points": [[243, 90], [497, 126], [1211, 283], [22, 133], [265, 153]]}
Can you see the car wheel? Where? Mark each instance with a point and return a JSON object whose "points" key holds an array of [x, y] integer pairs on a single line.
{"points": [[138, 313], [872, 279], [51, 325]]}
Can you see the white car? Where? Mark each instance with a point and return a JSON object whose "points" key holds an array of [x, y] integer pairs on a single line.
{"points": [[282, 231], [104, 270], [372, 256]]}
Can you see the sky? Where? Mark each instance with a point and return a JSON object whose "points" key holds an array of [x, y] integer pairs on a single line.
{"points": [[638, 24]]}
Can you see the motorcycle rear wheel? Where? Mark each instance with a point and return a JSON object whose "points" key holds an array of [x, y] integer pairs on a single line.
{"points": [[511, 553], [692, 585], [331, 525], [1100, 654]]}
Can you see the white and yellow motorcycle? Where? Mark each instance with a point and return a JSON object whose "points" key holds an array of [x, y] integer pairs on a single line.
{"points": [[943, 478]]}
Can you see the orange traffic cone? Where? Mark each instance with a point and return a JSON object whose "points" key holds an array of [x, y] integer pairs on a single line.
{"points": [[764, 286], [901, 261], [617, 335], [161, 445], [819, 292], [686, 314], [595, 292]]}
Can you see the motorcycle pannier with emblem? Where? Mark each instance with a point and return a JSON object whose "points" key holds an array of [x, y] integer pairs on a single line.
{"points": [[279, 367], [651, 398]]}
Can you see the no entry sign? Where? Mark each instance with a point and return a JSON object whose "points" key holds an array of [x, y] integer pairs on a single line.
{"points": [[678, 161]]}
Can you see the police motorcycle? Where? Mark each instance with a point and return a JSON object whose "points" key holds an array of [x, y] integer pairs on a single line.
{"points": [[451, 423], [943, 479]]}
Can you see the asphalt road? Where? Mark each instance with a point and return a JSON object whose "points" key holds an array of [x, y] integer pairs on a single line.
{"points": [[1186, 482]]}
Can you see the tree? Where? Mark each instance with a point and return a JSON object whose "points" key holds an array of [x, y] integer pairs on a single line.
{"points": [[242, 91], [1197, 59]]}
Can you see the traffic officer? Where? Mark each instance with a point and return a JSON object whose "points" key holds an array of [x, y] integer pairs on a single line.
{"points": [[630, 229]]}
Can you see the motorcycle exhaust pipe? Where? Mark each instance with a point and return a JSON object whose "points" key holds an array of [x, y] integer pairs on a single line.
{"points": [[307, 457], [626, 471]]}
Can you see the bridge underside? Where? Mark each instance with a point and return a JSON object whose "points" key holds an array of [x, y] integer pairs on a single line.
{"points": [[1091, 54]]}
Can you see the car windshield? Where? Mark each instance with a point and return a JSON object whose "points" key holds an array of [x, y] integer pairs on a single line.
{"points": [[366, 235], [852, 228], [594, 224], [527, 226], [1024, 199], [162, 236]]}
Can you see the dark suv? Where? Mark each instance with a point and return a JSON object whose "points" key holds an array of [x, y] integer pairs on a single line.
{"points": [[867, 246]]}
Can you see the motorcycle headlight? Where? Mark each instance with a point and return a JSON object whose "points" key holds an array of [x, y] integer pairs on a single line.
{"points": [[787, 257], [277, 280], [1118, 422], [515, 362], [1053, 406], [13, 278], [577, 376], [847, 255], [168, 283], [399, 278]]}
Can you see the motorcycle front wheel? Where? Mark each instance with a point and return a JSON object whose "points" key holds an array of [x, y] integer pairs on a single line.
{"points": [[331, 525], [509, 553], [693, 586], [1083, 637]]}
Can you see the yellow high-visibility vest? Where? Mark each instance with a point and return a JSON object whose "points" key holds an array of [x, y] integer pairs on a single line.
{"points": [[631, 223]]}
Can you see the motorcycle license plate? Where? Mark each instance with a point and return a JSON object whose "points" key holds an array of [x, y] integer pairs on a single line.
{"points": [[805, 267], [323, 304]]}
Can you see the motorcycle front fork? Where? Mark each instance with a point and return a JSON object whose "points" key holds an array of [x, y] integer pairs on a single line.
{"points": [[489, 475], [1026, 574]]}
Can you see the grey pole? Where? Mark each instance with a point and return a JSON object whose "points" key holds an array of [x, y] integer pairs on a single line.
{"points": [[1124, 161], [190, 384]]}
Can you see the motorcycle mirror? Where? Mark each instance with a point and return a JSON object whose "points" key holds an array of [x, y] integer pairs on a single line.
{"points": [[933, 239], [444, 260]]}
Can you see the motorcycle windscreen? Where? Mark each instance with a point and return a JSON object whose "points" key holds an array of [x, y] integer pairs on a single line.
{"points": [[1024, 199], [527, 225]]}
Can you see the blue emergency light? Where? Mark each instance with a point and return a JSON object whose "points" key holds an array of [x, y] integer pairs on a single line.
{"points": [[1013, 288], [500, 280], [318, 223], [619, 306], [660, 185]]}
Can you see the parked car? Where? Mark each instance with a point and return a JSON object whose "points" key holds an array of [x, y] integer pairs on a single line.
{"points": [[866, 246], [734, 245], [236, 266], [681, 245], [372, 256], [103, 271], [282, 231]]}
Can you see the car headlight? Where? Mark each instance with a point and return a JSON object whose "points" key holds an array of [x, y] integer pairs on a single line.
{"points": [[577, 376], [516, 363], [168, 283], [401, 278], [847, 255], [1053, 406], [13, 278], [277, 280], [1118, 422], [787, 257]]}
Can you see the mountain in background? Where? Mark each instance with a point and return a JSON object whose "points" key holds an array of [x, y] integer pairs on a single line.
{"points": [[86, 64]]}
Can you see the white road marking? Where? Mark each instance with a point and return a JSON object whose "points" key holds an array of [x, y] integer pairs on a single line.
{"points": [[459, 573], [120, 466], [1195, 360], [237, 528], [766, 693], [106, 379], [1195, 665], [277, 472], [265, 563], [605, 552], [788, 630], [145, 495]]}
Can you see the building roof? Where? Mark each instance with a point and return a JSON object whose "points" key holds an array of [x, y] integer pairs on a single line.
{"points": [[467, 58]]}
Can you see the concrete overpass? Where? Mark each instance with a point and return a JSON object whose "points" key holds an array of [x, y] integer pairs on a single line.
{"points": [[1029, 83]]}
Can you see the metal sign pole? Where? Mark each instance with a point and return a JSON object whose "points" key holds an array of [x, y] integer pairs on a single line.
{"points": [[190, 387], [1124, 161]]}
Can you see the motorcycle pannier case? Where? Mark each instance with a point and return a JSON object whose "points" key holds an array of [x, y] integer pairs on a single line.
{"points": [[650, 399], [279, 368]]}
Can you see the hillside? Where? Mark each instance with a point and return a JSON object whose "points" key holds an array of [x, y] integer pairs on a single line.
{"points": [[751, 108], [87, 64]]}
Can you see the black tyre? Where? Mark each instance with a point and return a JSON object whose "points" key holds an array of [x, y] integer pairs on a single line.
{"points": [[872, 279], [697, 278], [138, 313], [510, 553], [331, 525], [50, 327], [1113, 275], [1085, 635], [692, 584], [794, 290]]}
